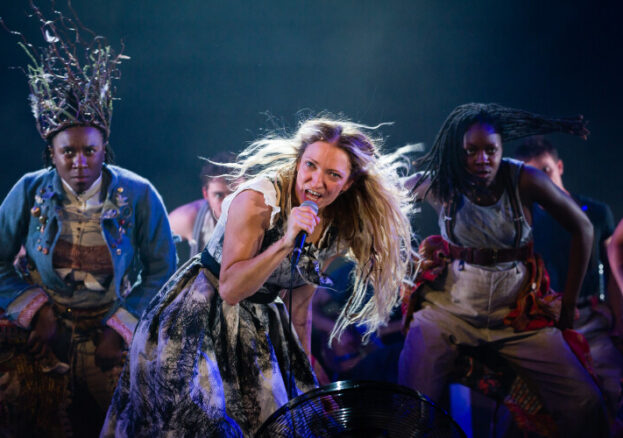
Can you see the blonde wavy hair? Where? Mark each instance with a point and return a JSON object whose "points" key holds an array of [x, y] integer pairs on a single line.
{"points": [[371, 217]]}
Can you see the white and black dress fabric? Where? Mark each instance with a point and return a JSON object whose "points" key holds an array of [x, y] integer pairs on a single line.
{"points": [[201, 367]]}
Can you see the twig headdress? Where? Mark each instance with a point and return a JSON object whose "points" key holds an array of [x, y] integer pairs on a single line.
{"points": [[70, 78]]}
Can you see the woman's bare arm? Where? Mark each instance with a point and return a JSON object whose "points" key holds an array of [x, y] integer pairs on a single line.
{"points": [[243, 270]]}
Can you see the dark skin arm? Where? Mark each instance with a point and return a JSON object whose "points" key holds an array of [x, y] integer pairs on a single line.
{"points": [[536, 187], [410, 181], [420, 194]]}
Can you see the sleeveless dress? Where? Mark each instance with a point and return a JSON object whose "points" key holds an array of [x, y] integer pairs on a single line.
{"points": [[201, 367]]}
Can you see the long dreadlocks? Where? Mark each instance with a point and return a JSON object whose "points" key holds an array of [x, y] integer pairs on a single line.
{"points": [[444, 164]]}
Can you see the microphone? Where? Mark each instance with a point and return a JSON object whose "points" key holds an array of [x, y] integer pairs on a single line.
{"points": [[302, 235]]}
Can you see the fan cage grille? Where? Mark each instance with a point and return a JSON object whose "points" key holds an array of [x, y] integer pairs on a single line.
{"points": [[357, 409]]}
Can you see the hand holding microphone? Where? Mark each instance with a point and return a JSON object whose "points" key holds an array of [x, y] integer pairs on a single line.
{"points": [[305, 218]]}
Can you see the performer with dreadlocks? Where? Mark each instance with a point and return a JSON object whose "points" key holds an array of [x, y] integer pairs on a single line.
{"points": [[214, 353], [487, 289], [97, 241]]}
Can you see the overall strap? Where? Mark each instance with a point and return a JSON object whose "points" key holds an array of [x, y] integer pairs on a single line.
{"points": [[449, 209], [513, 196]]}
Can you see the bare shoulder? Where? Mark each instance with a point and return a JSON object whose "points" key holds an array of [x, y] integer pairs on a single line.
{"points": [[528, 174], [418, 182], [249, 206], [419, 185], [182, 219], [534, 185], [248, 218]]}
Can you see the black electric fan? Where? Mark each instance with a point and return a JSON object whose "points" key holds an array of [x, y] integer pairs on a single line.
{"points": [[360, 409]]}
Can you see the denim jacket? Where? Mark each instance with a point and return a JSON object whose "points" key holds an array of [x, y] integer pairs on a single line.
{"points": [[134, 225]]}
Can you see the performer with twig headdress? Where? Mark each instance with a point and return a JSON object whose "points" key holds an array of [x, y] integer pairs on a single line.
{"points": [[480, 284], [97, 241]]}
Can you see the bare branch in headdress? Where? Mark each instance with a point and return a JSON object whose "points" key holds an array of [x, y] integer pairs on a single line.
{"points": [[70, 78]]}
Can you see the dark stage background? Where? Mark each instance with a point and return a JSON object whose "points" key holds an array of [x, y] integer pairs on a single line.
{"points": [[204, 75]]}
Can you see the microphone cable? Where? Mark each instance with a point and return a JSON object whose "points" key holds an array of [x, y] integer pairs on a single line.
{"points": [[290, 375], [290, 342], [296, 254]]}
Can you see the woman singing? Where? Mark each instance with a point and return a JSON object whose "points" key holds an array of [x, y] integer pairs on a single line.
{"points": [[213, 353]]}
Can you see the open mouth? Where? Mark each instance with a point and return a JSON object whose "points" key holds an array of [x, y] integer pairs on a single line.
{"points": [[312, 195]]}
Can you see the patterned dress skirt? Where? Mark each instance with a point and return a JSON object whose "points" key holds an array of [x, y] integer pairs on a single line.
{"points": [[200, 367]]}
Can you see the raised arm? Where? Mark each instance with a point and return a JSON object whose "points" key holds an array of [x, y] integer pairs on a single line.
{"points": [[243, 268], [536, 187]]}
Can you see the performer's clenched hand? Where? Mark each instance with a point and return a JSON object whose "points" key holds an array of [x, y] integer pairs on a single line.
{"points": [[301, 218]]}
